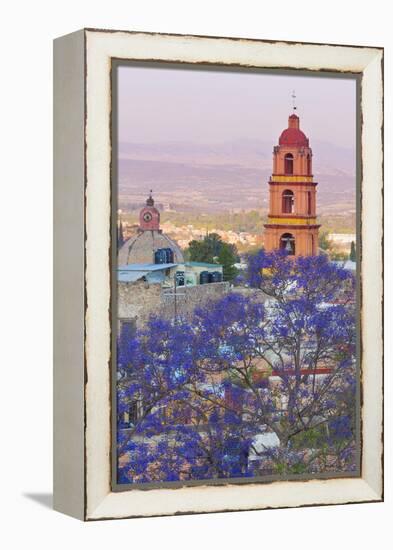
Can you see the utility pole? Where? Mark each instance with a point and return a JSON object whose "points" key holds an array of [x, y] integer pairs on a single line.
{"points": [[175, 295]]}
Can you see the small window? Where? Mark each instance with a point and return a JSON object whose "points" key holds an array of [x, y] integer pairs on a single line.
{"points": [[288, 163], [288, 202]]}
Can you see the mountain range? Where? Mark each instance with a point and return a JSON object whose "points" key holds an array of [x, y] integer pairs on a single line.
{"points": [[225, 176]]}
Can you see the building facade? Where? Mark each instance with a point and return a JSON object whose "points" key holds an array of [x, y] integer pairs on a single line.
{"points": [[292, 219]]}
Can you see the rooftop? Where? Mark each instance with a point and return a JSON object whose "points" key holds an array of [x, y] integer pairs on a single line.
{"points": [[130, 276], [293, 136], [345, 264], [202, 264], [145, 267]]}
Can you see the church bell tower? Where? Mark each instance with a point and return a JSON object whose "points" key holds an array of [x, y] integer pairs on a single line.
{"points": [[149, 216], [292, 223]]}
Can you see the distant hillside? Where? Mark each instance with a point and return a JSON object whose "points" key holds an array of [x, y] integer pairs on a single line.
{"points": [[225, 176]]}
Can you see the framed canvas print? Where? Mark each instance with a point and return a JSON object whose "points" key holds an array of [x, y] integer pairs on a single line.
{"points": [[218, 274]]}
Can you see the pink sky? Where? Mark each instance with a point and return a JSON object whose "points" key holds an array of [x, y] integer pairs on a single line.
{"points": [[205, 106]]}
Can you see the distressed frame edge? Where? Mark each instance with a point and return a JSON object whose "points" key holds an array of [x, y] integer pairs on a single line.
{"points": [[69, 489], [375, 492]]}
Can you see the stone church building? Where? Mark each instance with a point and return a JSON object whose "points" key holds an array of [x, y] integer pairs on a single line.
{"points": [[154, 278], [141, 248]]}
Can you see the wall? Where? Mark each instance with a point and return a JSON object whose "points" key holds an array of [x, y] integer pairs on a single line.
{"points": [[139, 300]]}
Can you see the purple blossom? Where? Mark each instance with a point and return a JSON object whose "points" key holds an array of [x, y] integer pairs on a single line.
{"points": [[199, 392]]}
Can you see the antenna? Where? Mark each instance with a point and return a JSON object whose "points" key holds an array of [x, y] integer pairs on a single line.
{"points": [[294, 100]]}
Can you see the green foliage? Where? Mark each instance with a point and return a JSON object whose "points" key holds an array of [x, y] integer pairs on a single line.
{"points": [[212, 249], [206, 250], [323, 240], [299, 468], [198, 251], [279, 468], [338, 256], [352, 254], [227, 258], [310, 439]]}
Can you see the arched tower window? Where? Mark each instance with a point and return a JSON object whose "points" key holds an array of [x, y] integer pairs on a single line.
{"points": [[288, 202], [309, 166], [288, 160], [287, 243]]}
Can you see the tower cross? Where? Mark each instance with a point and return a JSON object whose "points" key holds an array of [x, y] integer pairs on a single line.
{"points": [[294, 100]]}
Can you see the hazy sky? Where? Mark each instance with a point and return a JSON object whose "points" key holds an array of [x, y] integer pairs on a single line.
{"points": [[205, 106]]}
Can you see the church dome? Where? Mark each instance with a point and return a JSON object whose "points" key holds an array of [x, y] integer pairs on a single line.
{"points": [[293, 136], [141, 248]]}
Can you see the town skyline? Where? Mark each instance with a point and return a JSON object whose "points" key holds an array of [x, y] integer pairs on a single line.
{"points": [[203, 140]]}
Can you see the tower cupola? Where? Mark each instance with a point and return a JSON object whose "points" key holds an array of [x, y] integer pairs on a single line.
{"points": [[293, 136], [149, 216]]}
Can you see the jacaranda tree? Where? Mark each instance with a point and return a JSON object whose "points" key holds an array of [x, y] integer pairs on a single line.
{"points": [[262, 381]]}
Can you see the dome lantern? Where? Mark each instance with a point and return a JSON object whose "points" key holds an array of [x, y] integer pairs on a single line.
{"points": [[293, 136]]}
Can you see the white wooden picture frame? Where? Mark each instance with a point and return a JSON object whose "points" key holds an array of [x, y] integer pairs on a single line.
{"points": [[82, 244]]}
